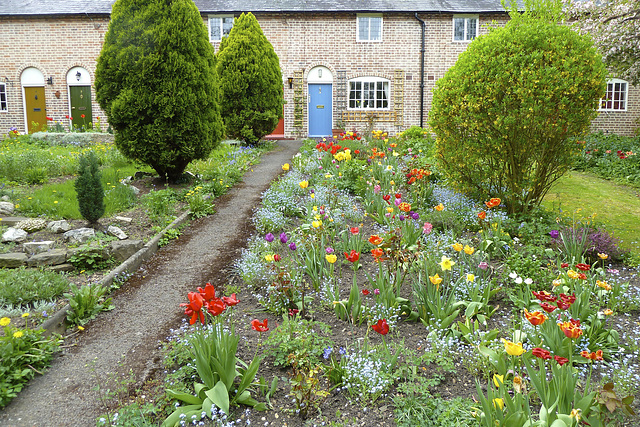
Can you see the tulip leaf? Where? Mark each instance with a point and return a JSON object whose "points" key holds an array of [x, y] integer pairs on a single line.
{"points": [[219, 396], [174, 418], [185, 397]]}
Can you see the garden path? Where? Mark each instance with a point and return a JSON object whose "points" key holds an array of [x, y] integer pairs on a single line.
{"points": [[127, 338]]}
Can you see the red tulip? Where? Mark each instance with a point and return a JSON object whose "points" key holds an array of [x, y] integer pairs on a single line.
{"points": [[583, 267], [353, 256], [382, 327], [375, 239], [547, 307], [276, 257], [208, 293], [561, 360], [231, 301], [256, 325], [216, 306], [541, 353], [365, 292], [194, 307], [355, 230]]}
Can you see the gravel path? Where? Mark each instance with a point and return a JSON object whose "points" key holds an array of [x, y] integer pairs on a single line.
{"points": [[126, 339]]}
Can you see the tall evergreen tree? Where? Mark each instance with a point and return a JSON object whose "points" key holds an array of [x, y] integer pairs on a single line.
{"points": [[251, 81], [156, 80], [89, 189]]}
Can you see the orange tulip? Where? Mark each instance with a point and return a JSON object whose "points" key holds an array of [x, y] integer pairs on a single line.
{"points": [[570, 330], [536, 318], [482, 215], [375, 239]]}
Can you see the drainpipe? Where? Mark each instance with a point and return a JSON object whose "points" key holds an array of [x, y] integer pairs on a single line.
{"points": [[422, 23]]}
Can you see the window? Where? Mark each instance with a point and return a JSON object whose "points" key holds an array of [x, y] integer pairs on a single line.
{"points": [[465, 27], [3, 97], [369, 28], [219, 26], [368, 93], [615, 98]]}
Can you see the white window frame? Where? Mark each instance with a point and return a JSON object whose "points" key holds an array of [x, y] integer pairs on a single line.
{"points": [[357, 85], [366, 17], [220, 21], [4, 103], [611, 92], [466, 37]]}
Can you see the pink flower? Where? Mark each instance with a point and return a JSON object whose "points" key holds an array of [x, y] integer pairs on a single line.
{"points": [[427, 227], [376, 189]]}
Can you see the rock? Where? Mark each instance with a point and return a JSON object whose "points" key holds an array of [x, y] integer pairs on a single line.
{"points": [[11, 221], [116, 231], [53, 257], [80, 235], [5, 198], [62, 267], [33, 248], [14, 235], [123, 219], [13, 260], [126, 181], [6, 208], [59, 226], [135, 190], [32, 225], [122, 250]]}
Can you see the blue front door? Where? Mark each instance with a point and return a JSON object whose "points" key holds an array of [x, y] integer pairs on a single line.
{"points": [[319, 110]]}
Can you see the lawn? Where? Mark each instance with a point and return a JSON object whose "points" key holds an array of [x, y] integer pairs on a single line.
{"points": [[616, 206]]}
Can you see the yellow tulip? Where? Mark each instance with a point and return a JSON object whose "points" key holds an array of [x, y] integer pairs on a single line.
{"points": [[331, 258], [498, 403], [436, 280], [513, 349], [498, 379], [468, 249], [304, 184], [285, 167], [316, 224], [457, 247]]}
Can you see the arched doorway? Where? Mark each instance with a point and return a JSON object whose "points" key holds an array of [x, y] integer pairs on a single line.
{"points": [[80, 112], [319, 81], [35, 106]]}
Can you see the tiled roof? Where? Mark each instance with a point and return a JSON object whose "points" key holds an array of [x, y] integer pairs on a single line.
{"points": [[75, 7]]}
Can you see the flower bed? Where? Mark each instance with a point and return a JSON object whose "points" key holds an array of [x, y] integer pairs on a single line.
{"points": [[385, 289]]}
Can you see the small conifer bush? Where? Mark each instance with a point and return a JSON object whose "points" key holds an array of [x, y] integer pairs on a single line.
{"points": [[89, 188]]}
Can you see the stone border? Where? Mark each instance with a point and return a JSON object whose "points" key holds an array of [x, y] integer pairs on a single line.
{"points": [[57, 322]]}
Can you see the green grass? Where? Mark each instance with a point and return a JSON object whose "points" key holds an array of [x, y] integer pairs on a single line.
{"points": [[616, 206]]}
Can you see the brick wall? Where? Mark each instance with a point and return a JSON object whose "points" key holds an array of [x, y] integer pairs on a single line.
{"points": [[54, 45]]}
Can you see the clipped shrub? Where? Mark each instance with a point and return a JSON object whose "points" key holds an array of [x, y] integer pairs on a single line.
{"points": [[251, 81], [156, 80], [505, 113], [90, 192]]}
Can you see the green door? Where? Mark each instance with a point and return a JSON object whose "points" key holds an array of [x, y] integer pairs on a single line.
{"points": [[81, 106]]}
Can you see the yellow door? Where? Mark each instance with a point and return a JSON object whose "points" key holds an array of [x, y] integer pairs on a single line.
{"points": [[36, 108]]}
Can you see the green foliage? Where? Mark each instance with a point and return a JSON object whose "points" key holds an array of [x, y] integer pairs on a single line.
{"points": [[86, 302], [505, 113], [415, 406], [25, 352], [24, 286], [89, 188], [169, 235], [160, 205], [251, 81], [88, 258], [156, 80], [304, 339], [611, 157]]}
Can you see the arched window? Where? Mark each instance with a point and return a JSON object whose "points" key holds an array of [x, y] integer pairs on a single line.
{"points": [[368, 93]]}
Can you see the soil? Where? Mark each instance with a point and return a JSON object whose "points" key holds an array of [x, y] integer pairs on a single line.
{"points": [[125, 342]]}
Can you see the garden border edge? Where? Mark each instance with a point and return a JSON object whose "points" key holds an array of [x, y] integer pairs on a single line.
{"points": [[57, 322]]}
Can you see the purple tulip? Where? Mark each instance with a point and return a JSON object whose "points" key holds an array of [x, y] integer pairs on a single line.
{"points": [[483, 265], [554, 234], [329, 250], [401, 217], [376, 291], [269, 237], [283, 237], [292, 246], [414, 215]]}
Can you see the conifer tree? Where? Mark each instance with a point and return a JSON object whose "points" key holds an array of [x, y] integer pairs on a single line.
{"points": [[156, 80], [251, 81], [89, 189]]}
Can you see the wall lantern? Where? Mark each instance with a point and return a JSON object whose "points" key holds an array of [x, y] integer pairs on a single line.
{"points": [[78, 76], [7, 81], [320, 73], [50, 80], [290, 80]]}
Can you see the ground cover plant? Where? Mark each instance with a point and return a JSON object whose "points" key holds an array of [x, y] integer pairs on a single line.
{"points": [[401, 293]]}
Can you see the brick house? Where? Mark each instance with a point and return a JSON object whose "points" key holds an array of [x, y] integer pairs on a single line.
{"points": [[355, 63]]}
